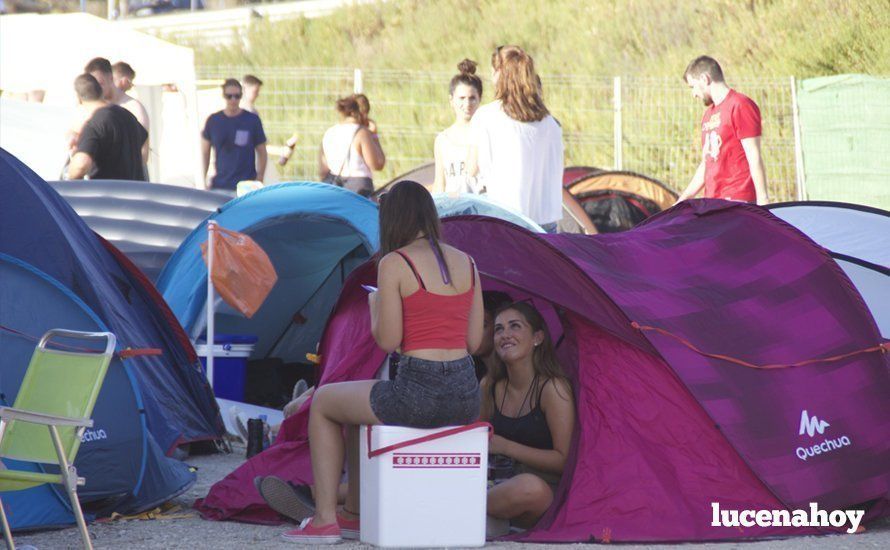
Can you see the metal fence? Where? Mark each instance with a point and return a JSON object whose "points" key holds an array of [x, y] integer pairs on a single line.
{"points": [[642, 124]]}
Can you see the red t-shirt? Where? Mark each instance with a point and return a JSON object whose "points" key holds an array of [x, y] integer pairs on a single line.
{"points": [[723, 127]]}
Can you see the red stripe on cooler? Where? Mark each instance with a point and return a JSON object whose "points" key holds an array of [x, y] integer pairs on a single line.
{"points": [[437, 460]]}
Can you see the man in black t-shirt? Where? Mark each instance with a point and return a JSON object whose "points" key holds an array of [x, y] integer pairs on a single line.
{"points": [[110, 144]]}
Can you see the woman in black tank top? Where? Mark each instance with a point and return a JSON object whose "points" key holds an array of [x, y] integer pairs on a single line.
{"points": [[529, 401]]}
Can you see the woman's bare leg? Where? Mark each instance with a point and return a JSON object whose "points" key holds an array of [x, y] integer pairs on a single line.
{"points": [[341, 492], [523, 498], [334, 405]]}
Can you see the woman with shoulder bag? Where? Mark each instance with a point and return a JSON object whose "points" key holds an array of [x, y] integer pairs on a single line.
{"points": [[349, 151]]}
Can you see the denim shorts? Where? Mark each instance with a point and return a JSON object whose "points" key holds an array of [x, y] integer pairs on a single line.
{"points": [[428, 394]]}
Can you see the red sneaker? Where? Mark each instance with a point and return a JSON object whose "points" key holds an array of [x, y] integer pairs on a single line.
{"points": [[349, 528], [309, 534]]}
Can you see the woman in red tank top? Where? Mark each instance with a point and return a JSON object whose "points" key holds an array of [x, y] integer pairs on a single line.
{"points": [[429, 306]]}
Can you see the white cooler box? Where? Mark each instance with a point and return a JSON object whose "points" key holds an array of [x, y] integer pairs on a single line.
{"points": [[424, 494]]}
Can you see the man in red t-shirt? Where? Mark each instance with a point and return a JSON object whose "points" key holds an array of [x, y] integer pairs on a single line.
{"points": [[731, 166]]}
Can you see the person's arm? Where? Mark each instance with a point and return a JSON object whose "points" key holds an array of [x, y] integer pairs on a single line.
{"points": [[74, 130], [72, 137], [80, 165], [577, 212], [205, 157], [439, 179], [142, 116], [386, 304], [559, 410], [323, 168], [755, 164], [698, 181], [370, 149], [476, 327], [259, 146], [261, 158], [85, 152]]}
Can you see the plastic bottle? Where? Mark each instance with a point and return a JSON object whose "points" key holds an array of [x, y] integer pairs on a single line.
{"points": [[266, 431], [254, 437]]}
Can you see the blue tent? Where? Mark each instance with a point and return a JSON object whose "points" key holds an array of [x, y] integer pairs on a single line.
{"points": [[56, 273], [467, 203], [315, 234]]}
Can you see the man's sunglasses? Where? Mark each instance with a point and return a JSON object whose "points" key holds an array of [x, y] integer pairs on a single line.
{"points": [[232, 96]]}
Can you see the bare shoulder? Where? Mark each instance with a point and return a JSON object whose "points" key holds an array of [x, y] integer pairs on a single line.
{"points": [[490, 387], [392, 262], [557, 391]]}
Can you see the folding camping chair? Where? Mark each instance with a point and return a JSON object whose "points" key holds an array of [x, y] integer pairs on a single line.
{"points": [[58, 392]]}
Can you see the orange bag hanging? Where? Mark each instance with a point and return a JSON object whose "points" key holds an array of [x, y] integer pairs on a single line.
{"points": [[242, 272]]}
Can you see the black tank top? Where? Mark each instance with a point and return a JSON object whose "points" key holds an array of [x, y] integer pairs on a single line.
{"points": [[530, 429]]}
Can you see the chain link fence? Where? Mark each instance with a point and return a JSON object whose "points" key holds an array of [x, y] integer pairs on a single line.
{"points": [[648, 125]]}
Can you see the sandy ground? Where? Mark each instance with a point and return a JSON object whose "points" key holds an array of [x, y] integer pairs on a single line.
{"points": [[193, 532]]}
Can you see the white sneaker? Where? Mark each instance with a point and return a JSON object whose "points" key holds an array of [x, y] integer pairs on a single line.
{"points": [[299, 389], [239, 420], [496, 527]]}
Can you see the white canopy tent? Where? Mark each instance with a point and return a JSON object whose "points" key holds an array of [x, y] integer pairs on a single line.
{"points": [[852, 229], [46, 52], [858, 238], [873, 283]]}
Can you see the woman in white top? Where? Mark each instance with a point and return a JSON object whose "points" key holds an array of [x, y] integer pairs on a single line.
{"points": [[453, 144], [349, 151], [518, 149]]}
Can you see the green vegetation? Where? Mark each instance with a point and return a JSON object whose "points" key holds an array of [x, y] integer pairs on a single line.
{"points": [[760, 43], [804, 38]]}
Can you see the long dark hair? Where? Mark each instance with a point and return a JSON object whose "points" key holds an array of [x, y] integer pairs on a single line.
{"points": [[466, 76], [407, 210], [543, 357]]}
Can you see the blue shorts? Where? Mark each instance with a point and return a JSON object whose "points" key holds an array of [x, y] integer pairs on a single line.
{"points": [[428, 394]]}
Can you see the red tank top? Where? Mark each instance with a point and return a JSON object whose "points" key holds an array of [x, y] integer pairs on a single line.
{"points": [[435, 321]]}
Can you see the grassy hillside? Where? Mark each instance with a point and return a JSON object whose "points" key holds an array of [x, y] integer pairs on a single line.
{"points": [[629, 37], [760, 43]]}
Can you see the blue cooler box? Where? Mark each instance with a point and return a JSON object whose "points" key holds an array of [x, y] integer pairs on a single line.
{"points": [[230, 355]]}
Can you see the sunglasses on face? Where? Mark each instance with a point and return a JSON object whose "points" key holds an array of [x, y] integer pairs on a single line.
{"points": [[232, 96]]}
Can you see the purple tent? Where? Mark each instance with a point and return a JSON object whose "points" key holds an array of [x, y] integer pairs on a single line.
{"points": [[665, 430]]}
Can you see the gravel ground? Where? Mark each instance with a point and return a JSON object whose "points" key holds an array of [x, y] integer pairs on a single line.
{"points": [[193, 532]]}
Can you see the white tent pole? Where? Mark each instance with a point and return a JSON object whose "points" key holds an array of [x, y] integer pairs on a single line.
{"points": [[358, 82], [801, 178], [617, 136], [211, 229]]}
